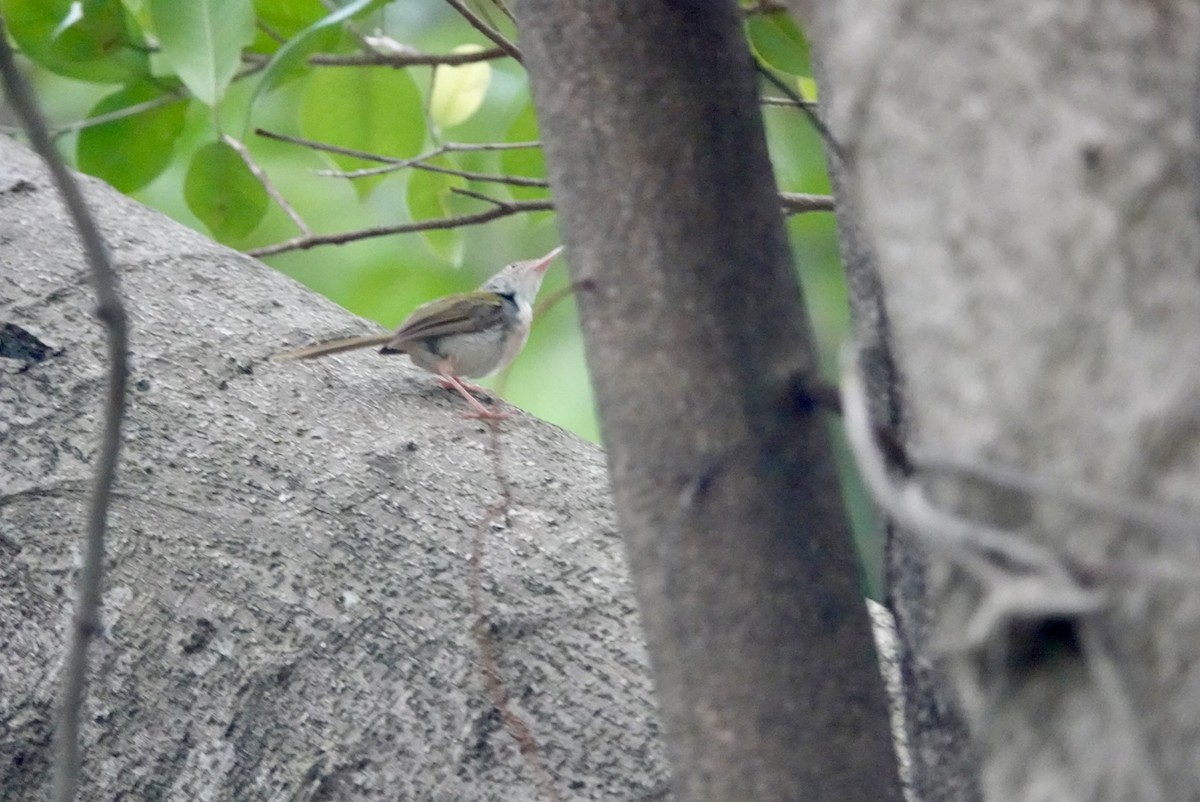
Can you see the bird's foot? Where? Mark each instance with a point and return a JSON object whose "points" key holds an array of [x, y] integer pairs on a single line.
{"points": [[478, 410], [454, 384]]}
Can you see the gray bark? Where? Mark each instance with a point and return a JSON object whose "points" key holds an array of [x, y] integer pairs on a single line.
{"points": [[702, 362], [286, 601], [1027, 175], [945, 763]]}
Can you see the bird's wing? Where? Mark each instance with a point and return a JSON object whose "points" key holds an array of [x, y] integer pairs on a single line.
{"points": [[469, 312]]}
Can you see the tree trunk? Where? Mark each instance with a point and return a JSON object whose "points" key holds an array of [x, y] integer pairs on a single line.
{"points": [[702, 362], [945, 766], [1026, 173]]}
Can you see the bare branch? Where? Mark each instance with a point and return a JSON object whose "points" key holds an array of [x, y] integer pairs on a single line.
{"points": [[470, 193], [770, 100], [120, 114], [409, 57], [500, 4], [261, 175], [145, 105], [487, 30], [802, 203], [502, 209], [495, 178], [111, 314], [804, 106], [450, 147], [323, 146], [270, 32]]}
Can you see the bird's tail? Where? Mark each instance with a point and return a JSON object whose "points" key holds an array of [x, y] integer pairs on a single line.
{"points": [[336, 346]]}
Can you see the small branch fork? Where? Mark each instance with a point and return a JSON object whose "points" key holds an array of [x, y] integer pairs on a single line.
{"points": [[501, 209], [790, 202], [111, 312], [493, 683], [261, 175], [478, 24]]}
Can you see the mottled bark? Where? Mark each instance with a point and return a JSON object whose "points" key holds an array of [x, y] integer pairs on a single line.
{"points": [[287, 600], [701, 358], [1027, 175]]}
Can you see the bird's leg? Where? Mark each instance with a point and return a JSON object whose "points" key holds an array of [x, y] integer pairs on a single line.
{"points": [[480, 411], [450, 385]]}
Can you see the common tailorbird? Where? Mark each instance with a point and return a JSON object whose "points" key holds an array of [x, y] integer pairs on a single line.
{"points": [[467, 334]]}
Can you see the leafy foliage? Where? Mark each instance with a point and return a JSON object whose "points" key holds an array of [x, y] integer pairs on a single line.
{"points": [[223, 192], [164, 80], [169, 78]]}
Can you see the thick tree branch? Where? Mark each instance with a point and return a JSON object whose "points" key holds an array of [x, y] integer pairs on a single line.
{"points": [[726, 488]]}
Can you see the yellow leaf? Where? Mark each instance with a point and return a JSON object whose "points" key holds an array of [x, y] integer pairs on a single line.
{"points": [[458, 91]]}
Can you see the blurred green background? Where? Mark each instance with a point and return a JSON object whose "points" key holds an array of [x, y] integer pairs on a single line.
{"points": [[382, 110]]}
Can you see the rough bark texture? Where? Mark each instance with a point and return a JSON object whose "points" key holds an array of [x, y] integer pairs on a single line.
{"points": [[286, 606], [1027, 173], [945, 766], [699, 351]]}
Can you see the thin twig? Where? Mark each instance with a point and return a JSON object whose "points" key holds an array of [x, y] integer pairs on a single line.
{"points": [[270, 32], [500, 4], [324, 146], [493, 683], [120, 114], [485, 29], [146, 105], [805, 108], [494, 178], [261, 175], [111, 314], [802, 203], [392, 165], [770, 100], [504, 209], [470, 193], [408, 58]]}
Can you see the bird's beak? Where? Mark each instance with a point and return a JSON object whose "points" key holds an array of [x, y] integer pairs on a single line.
{"points": [[540, 265]]}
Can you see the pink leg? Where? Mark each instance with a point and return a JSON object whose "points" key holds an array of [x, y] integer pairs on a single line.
{"points": [[480, 410], [450, 385]]}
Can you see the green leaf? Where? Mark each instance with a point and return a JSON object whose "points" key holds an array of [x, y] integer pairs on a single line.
{"points": [[779, 43], [131, 151], [289, 17], [223, 193], [92, 40], [429, 198], [372, 109], [458, 91], [322, 34], [526, 161], [202, 41]]}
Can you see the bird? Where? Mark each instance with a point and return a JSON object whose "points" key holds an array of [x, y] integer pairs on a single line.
{"points": [[466, 334]]}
